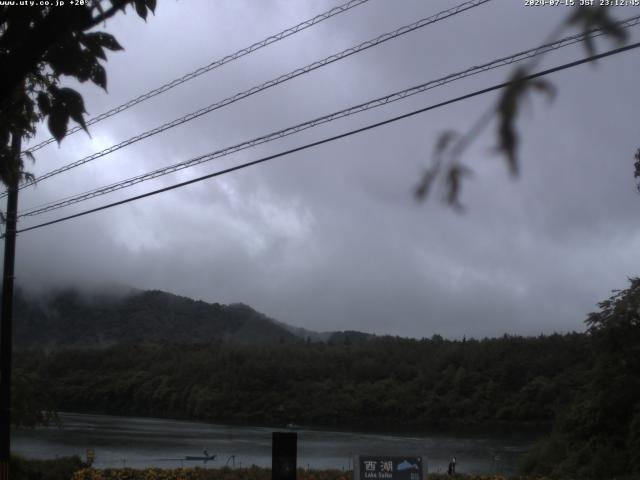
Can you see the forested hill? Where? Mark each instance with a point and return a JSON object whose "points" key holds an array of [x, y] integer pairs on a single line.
{"points": [[69, 318], [586, 384]]}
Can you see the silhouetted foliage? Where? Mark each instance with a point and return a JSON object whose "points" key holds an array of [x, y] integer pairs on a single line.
{"points": [[636, 166], [598, 436], [31, 403], [39, 45], [446, 164], [584, 385], [61, 468]]}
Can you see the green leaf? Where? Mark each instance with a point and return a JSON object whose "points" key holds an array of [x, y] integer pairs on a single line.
{"points": [[74, 104], [98, 6], [141, 8], [507, 111], [424, 187], [67, 103], [92, 42], [592, 18], [28, 177], [108, 41], [454, 182], [589, 45], [29, 155], [99, 76], [57, 123], [636, 167], [70, 59], [44, 103], [543, 86], [444, 140]]}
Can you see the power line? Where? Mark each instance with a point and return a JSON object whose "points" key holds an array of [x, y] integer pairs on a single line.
{"points": [[213, 65], [570, 40], [271, 83], [340, 136], [325, 119]]}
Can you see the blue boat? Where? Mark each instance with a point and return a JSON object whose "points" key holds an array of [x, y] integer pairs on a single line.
{"points": [[205, 457]]}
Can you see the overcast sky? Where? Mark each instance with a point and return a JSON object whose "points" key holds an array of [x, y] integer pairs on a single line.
{"points": [[331, 238]]}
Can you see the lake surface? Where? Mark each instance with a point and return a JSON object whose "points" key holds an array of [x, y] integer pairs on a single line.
{"points": [[151, 442]]}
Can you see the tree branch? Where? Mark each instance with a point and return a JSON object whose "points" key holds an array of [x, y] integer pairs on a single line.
{"points": [[55, 27]]}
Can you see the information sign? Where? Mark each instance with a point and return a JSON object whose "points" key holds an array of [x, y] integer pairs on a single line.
{"points": [[369, 467]]}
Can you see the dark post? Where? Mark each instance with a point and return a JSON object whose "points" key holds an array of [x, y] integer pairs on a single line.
{"points": [[6, 321], [284, 452]]}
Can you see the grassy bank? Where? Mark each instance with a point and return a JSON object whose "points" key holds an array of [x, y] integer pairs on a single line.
{"points": [[252, 473], [72, 468], [54, 469]]}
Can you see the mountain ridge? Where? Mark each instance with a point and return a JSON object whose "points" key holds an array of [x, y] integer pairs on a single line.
{"points": [[72, 318]]}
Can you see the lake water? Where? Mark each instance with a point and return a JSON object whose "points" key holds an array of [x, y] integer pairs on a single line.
{"points": [[151, 442]]}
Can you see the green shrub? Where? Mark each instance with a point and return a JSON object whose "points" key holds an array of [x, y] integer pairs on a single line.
{"points": [[56, 469]]}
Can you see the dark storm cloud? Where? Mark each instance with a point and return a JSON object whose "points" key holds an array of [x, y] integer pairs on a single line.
{"points": [[331, 238]]}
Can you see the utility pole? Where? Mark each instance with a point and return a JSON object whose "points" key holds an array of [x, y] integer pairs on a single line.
{"points": [[6, 318]]}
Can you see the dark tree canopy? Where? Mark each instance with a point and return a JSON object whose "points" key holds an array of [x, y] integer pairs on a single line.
{"points": [[598, 435], [38, 47]]}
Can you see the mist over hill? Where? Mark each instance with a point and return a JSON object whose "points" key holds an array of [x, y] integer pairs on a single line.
{"points": [[174, 357], [73, 318]]}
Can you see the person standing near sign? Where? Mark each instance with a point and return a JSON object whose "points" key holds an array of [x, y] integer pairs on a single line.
{"points": [[452, 466]]}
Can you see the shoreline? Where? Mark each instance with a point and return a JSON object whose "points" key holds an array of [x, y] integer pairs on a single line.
{"points": [[146, 442], [435, 430]]}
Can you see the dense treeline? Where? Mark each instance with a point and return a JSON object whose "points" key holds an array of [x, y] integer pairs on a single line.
{"points": [[383, 382], [586, 386], [598, 434], [60, 468]]}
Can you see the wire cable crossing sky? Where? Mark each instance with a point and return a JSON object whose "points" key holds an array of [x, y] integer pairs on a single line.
{"points": [[333, 238], [393, 97], [340, 136], [213, 65], [271, 83]]}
